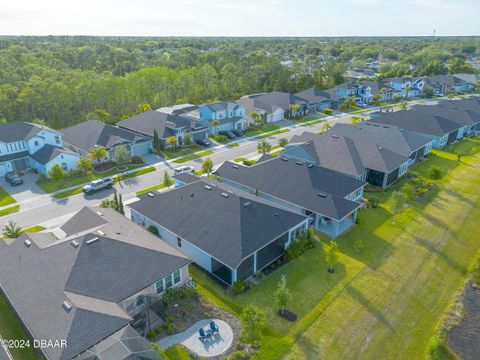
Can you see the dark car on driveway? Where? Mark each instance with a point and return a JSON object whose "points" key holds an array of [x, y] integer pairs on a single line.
{"points": [[204, 142], [230, 135], [238, 132], [13, 179]]}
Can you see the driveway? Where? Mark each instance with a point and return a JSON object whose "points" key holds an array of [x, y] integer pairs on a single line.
{"points": [[25, 192]]}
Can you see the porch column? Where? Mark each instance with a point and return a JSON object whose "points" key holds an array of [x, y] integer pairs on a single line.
{"points": [[355, 216], [337, 223], [384, 184], [255, 262]]}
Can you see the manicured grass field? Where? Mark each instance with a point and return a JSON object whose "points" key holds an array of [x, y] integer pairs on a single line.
{"points": [[305, 119], [6, 198], [262, 130], [386, 299], [153, 188], [172, 154], [10, 210], [177, 353], [194, 156]]}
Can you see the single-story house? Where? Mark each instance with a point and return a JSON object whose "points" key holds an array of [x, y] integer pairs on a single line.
{"points": [[446, 84], [89, 285], [81, 138], [24, 146], [329, 198], [166, 126], [471, 106], [229, 234], [398, 140], [358, 158], [439, 129], [316, 99]]}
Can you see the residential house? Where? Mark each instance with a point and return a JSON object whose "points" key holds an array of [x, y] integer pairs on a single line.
{"points": [[317, 100], [360, 74], [329, 198], [359, 158], [360, 90], [178, 109], [229, 234], [273, 106], [446, 84], [404, 87], [167, 126], [398, 140], [228, 114], [471, 105], [91, 284], [81, 138], [26, 146], [438, 129]]}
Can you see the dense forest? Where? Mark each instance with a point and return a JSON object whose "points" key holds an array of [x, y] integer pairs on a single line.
{"points": [[63, 80]]}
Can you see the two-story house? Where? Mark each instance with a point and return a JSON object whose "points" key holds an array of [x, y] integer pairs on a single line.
{"points": [[26, 146], [91, 285], [220, 116], [405, 87], [361, 91]]}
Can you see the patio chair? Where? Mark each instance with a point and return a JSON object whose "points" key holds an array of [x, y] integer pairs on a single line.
{"points": [[203, 336], [214, 328]]}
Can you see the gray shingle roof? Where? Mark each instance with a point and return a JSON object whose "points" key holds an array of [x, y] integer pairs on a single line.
{"points": [[222, 105], [48, 153], [418, 122], [37, 280], [146, 122], [223, 227], [393, 138], [268, 102], [91, 133], [298, 184], [18, 131], [186, 178], [18, 155], [313, 96], [455, 114]]}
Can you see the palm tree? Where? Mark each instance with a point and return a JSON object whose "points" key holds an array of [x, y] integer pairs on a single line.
{"points": [[214, 124], [283, 142], [207, 166], [97, 154], [264, 147], [257, 118], [12, 230], [172, 141], [326, 127], [84, 165], [294, 108]]}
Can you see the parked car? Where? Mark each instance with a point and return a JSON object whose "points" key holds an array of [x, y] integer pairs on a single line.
{"points": [[230, 135], [204, 142], [13, 179], [238, 132], [97, 185], [183, 169]]}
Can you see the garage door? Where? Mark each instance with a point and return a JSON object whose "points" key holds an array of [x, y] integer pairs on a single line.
{"points": [[142, 148]]}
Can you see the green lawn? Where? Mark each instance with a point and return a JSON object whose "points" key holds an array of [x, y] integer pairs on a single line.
{"points": [[305, 119], [194, 156], [6, 198], [153, 188], [172, 154], [10, 210], [33, 229], [233, 144], [50, 186], [10, 329], [176, 352], [281, 131], [387, 299], [261, 130]]}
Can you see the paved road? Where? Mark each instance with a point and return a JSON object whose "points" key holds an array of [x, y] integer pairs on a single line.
{"points": [[49, 212]]}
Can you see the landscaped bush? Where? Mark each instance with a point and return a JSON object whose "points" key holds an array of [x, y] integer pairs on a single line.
{"points": [[435, 172], [247, 162], [300, 245], [220, 138], [153, 230], [151, 335], [176, 294], [137, 160], [328, 111], [239, 287]]}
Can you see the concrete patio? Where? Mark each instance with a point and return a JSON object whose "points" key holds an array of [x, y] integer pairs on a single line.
{"points": [[219, 344]]}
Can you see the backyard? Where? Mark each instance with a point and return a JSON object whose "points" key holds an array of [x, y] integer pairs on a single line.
{"points": [[387, 296]]}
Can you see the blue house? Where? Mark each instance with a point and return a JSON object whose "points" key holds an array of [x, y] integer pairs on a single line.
{"points": [[227, 115]]}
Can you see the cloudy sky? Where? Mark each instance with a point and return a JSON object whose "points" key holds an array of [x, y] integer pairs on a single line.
{"points": [[239, 17]]}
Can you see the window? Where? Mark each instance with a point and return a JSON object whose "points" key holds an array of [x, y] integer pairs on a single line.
{"points": [[176, 277], [159, 286], [57, 139], [140, 300], [179, 242], [168, 281], [35, 143]]}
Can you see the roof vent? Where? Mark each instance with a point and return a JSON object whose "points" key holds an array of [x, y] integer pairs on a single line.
{"points": [[248, 203], [225, 195], [151, 195], [310, 165], [380, 147], [335, 136], [276, 214], [67, 306], [284, 158], [235, 166], [298, 163], [27, 243], [208, 187], [101, 232], [322, 195], [91, 241], [75, 244], [99, 213], [402, 129]]}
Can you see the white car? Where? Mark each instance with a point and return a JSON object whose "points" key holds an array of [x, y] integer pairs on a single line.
{"points": [[97, 185], [183, 169]]}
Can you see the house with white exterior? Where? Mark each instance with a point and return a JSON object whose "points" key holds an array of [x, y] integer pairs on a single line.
{"points": [[26, 146]]}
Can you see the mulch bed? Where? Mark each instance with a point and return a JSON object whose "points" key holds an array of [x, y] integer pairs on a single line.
{"points": [[287, 315]]}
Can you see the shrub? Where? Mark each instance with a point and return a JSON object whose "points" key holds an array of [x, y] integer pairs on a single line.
{"points": [[299, 246], [247, 162], [220, 138], [238, 287], [176, 294], [137, 159], [259, 275], [151, 335], [153, 230], [252, 320], [238, 355], [435, 172], [328, 111]]}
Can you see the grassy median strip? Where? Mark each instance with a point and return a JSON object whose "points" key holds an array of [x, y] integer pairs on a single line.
{"points": [[153, 188], [281, 131], [34, 229], [6, 198], [10, 210], [194, 156]]}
